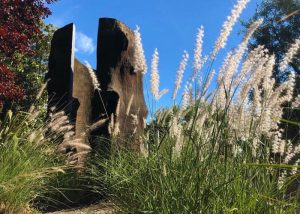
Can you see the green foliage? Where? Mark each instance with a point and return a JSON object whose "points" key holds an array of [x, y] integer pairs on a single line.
{"points": [[279, 30], [19, 34], [31, 68], [25, 164], [207, 175], [69, 189]]}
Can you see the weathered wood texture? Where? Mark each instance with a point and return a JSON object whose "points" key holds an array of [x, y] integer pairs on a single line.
{"points": [[122, 88], [83, 92], [121, 96]]}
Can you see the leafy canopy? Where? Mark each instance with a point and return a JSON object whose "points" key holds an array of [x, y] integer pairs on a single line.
{"points": [[20, 25], [279, 30]]}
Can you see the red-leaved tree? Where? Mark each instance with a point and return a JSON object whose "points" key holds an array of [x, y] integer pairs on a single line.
{"points": [[19, 23]]}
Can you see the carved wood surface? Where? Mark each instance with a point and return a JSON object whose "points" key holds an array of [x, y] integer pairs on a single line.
{"points": [[121, 97], [122, 87], [83, 92]]}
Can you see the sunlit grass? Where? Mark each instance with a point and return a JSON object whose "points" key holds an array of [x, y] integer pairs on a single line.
{"points": [[25, 166], [207, 176]]}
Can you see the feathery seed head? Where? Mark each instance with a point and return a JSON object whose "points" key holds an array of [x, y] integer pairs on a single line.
{"points": [[292, 51], [228, 25], [198, 59], [42, 89], [187, 95], [139, 56], [179, 74], [155, 75], [296, 103], [208, 81], [93, 78], [162, 92]]}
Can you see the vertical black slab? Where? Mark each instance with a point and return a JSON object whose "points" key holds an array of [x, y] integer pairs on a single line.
{"points": [[61, 67]]}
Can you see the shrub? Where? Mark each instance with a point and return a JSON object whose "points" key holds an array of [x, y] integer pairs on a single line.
{"points": [[27, 161]]}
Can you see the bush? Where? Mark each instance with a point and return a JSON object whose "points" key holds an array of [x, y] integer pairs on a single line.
{"points": [[206, 175], [27, 161]]}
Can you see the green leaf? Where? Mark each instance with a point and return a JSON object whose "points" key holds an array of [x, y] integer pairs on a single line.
{"points": [[290, 122], [272, 165]]}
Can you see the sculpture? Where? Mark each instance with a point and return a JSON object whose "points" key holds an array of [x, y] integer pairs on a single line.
{"points": [[119, 98]]}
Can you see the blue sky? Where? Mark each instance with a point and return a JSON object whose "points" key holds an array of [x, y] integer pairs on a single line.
{"points": [[169, 25]]}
